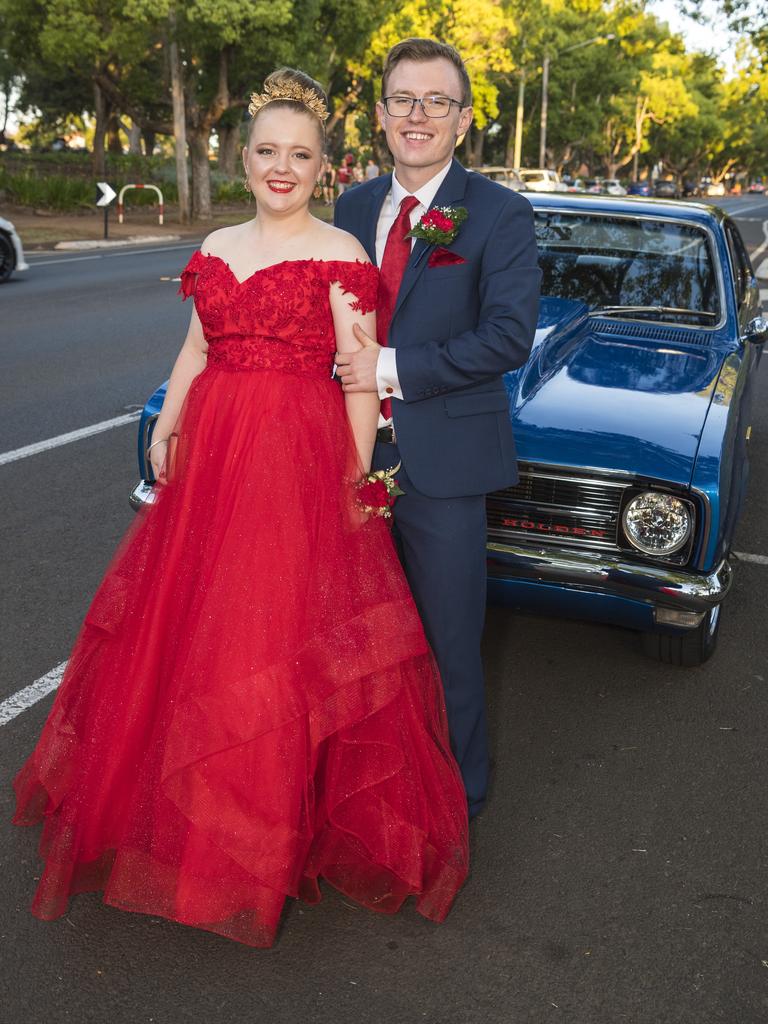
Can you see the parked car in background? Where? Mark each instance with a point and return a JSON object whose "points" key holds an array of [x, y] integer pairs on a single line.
{"points": [[541, 179], [757, 187], [665, 188], [632, 419], [690, 189], [507, 176], [613, 187], [11, 251], [639, 188]]}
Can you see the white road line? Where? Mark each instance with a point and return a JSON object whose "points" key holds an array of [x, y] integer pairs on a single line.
{"points": [[758, 559], [13, 706], [763, 245], [73, 435], [65, 258], [73, 259], [160, 248], [736, 210]]}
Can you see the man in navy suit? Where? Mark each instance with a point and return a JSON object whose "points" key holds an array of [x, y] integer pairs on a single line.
{"points": [[460, 316]]}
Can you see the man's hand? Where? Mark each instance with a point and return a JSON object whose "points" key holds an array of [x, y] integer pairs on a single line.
{"points": [[357, 370]]}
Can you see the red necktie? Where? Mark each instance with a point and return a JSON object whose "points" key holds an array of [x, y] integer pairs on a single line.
{"points": [[393, 263]]}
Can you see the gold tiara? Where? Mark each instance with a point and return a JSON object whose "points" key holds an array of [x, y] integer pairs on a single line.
{"points": [[288, 91]]}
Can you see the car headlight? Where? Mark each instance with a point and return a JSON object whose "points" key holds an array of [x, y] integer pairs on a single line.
{"points": [[657, 524]]}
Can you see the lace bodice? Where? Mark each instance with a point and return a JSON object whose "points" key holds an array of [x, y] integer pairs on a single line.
{"points": [[280, 317]]}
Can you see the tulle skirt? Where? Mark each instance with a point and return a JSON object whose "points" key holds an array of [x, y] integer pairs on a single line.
{"points": [[251, 704]]}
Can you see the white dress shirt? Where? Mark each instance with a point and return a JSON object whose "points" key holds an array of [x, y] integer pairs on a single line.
{"points": [[386, 368]]}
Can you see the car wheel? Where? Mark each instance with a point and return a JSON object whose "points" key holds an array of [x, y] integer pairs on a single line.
{"points": [[7, 257], [689, 649]]}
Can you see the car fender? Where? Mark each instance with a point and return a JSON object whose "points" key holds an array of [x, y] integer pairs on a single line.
{"points": [[721, 465]]}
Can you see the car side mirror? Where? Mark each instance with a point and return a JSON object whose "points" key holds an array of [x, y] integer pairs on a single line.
{"points": [[757, 331]]}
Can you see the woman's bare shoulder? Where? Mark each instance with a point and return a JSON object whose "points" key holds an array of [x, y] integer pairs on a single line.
{"points": [[336, 244], [222, 241]]}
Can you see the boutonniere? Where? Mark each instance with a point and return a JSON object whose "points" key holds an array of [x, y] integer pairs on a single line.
{"points": [[440, 225]]}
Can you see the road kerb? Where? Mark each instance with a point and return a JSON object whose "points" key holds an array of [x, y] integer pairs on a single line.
{"points": [[116, 243]]}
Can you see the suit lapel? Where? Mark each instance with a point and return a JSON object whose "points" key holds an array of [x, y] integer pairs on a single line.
{"points": [[378, 193], [451, 191]]}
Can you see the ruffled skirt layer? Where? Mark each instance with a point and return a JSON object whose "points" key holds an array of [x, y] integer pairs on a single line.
{"points": [[251, 704]]}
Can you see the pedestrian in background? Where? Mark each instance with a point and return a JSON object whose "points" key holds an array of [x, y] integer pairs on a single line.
{"points": [[329, 180], [372, 169], [344, 174]]}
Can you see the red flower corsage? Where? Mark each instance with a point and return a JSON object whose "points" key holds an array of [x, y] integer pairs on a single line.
{"points": [[442, 257], [440, 225], [377, 492]]}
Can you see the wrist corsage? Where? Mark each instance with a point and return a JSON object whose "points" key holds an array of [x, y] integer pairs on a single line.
{"points": [[377, 492], [440, 225]]}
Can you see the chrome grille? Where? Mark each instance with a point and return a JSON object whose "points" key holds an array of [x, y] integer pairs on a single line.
{"points": [[557, 508]]}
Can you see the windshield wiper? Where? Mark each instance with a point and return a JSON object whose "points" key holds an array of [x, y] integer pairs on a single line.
{"points": [[670, 310]]}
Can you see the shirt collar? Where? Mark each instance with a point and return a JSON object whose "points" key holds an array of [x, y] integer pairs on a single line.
{"points": [[426, 194]]}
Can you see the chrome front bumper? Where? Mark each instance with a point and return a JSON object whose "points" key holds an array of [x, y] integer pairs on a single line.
{"points": [[662, 587], [596, 572]]}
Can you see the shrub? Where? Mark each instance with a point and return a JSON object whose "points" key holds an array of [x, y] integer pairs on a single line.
{"points": [[52, 191]]}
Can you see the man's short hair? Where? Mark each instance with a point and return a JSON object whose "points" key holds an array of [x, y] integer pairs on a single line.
{"points": [[423, 50]]}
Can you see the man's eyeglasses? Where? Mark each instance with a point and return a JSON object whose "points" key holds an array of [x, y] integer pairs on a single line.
{"points": [[432, 106]]}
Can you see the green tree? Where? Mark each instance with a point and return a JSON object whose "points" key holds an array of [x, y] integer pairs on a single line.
{"points": [[481, 30]]}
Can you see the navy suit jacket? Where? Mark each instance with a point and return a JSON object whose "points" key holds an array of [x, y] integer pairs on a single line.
{"points": [[457, 329]]}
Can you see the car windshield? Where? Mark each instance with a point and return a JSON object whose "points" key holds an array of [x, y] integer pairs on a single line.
{"points": [[663, 269], [532, 176]]}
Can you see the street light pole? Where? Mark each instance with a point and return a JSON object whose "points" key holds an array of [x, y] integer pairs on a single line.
{"points": [[544, 111], [545, 90]]}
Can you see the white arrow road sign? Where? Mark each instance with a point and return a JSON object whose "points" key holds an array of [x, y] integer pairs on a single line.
{"points": [[107, 193]]}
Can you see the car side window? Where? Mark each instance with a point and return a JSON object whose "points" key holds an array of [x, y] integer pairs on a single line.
{"points": [[742, 268]]}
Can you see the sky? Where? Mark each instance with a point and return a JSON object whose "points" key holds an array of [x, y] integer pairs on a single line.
{"points": [[713, 36]]}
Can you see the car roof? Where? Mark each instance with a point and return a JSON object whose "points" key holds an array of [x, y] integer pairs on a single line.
{"points": [[701, 213]]}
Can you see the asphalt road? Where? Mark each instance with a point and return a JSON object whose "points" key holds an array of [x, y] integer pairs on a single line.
{"points": [[619, 873]]}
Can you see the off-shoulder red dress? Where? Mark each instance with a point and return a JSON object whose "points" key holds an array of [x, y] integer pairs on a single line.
{"points": [[251, 704]]}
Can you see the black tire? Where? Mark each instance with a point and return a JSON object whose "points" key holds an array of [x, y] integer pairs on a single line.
{"points": [[7, 257], [689, 649]]}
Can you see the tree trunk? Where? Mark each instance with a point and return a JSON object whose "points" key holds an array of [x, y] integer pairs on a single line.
{"points": [[114, 145], [148, 138], [179, 123], [381, 153], [478, 141], [7, 86], [133, 131], [515, 138], [100, 107], [201, 174], [229, 148], [200, 122]]}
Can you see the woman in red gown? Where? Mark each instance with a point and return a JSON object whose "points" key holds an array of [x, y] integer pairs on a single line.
{"points": [[251, 704]]}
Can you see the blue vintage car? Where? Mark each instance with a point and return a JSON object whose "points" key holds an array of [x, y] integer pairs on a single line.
{"points": [[632, 418]]}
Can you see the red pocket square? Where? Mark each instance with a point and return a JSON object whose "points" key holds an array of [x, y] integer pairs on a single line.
{"points": [[442, 257]]}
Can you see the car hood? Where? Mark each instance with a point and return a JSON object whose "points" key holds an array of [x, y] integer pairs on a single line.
{"points": [[614, 402]]}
